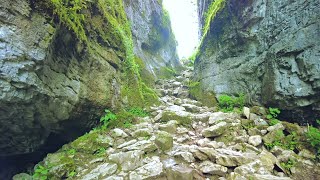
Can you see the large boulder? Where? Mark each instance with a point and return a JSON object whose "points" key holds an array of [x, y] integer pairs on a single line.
{"points": [[267, 50]]}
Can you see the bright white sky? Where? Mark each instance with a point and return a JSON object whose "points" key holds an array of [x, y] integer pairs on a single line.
{"points": [[184, 21]]}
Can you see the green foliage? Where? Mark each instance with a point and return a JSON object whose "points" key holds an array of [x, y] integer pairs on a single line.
{"points": [[127, 124], [214, 7], [72, 174], [101, 151], [71, 151], [123, 118], [69, 13], [139, 112], [248, 125], [313, 138], [289, 142], [41, 173], [272, 116], [228, 103], [288, 165], [108, 118], [318, 122], [277, 140]]}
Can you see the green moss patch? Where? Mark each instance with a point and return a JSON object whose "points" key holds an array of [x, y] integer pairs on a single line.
{"points": [[196, 92], [181, 119]]}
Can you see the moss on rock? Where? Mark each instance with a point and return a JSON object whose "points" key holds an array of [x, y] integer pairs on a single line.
{"points": [[196, 92], [183, 119], [164, 140]]}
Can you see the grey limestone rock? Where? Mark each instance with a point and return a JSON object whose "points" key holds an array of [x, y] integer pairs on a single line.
{"points": [[267, 50]]}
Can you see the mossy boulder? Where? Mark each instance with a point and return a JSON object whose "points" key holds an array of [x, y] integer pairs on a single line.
{"points": [[273, 136], [164, 140], [215, 130], [181, 117], [91, 142]]}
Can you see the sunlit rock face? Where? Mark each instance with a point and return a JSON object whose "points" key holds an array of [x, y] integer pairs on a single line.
{"points": [[267, 50], [154, 41]]}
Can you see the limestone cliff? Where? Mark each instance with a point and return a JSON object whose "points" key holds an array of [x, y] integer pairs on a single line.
{"points": [[62, 64], [154, 41], [268, 50]]}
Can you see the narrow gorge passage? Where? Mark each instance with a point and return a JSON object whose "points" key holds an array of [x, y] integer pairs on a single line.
{"points": [[121, 89], [182, 139]]}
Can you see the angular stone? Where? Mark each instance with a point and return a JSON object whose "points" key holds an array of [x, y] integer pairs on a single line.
{"points": [[179, 172], [191, 108], [208, 167], [119, 133], [215, 130], [128, 160], [199, 155], [260, 122], [182, 130], [255, 140], [246, 112], [186, 156], [267, 159], [203, 117], [254, 117], [182, 117], [210, 152], [150, 170], [272, 136], [164, 140], [170, 126], [307, 154], [100, 171], [231, 158], [140, 145], [255, 167], [145, 132], [217, 116], [276, 127], [127, 143], [269, 177]]}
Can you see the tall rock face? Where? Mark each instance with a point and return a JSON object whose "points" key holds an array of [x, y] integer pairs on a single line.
{"points": [[203, 6], [154, 41], [268, 50], [51, 87], [57, 75]]}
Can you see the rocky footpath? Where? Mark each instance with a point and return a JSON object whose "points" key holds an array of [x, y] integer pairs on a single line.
{"points": [[267, 50], [181, 140]]}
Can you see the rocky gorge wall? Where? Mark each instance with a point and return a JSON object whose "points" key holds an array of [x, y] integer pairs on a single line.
{"points": [[154, 41], [268, 50], [58, 75]]}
